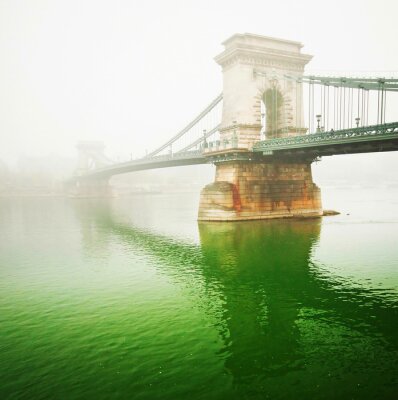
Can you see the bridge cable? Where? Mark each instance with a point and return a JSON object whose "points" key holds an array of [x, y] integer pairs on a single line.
{"points": [[340, 105], [334, 107], [276, 111], [324, 107], [297, 106], [349, 108], [361, 121], [272, 110], [328, 104], [205, 135], [301, 104], [284, 107], [313, 107], [385, 106], [367, 108], [327, 110], [352, 106], [188, 127], [337, 107], [344, 106], [309, 107]]}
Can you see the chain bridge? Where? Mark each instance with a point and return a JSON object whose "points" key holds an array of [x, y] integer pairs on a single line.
{"points": [[264, 131]]}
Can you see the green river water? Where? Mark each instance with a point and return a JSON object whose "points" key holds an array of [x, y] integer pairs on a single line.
{"points": [[131, 298]]}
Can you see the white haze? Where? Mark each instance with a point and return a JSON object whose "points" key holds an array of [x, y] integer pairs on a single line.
{"points": [[131, 73]]}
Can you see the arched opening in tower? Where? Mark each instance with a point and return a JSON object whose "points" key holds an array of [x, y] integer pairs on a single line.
{"points": [[272, 113]]}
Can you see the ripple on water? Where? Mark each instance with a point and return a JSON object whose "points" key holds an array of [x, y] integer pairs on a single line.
{"points": [[108, 307]]}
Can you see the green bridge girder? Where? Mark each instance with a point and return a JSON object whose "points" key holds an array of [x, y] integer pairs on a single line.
{"points": [[374, 138], [385, 84], [366, 139], [178, 159]]}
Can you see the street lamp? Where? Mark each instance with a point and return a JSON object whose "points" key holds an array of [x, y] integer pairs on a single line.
{"points": [[318, 119], [357, 119]]}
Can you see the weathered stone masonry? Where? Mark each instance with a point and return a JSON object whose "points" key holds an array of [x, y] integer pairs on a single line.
{"points": [[256, 190], [259, 69]]}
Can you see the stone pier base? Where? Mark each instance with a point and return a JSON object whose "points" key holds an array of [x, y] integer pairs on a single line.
{"points": [[257, 190], [90, 188]]}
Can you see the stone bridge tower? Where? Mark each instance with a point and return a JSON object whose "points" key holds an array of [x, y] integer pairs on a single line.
{"points": [[90, 157], [260, 77], [262, 99]]}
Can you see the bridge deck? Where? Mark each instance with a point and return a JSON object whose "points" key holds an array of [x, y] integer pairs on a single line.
{"points": [[164, 161], [374, 138]]}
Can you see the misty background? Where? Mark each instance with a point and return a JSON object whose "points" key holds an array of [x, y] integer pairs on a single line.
{"points": [[132, 73]]}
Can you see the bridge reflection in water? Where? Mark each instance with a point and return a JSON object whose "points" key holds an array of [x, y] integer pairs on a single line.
{"points": [[286, 330], [259, 140]]}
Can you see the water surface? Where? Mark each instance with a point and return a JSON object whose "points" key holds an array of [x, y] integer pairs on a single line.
{"points": [[131, 298]]}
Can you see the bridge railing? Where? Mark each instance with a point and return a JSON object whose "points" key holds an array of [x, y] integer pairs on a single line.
{"points": [[374, 132], [222, 145], [151, 160]]}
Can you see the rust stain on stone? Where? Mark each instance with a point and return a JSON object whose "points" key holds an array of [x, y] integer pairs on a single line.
{"points": [[237, 204], [260, 190]]}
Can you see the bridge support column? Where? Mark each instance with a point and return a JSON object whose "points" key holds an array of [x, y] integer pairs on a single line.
{"points": [[91, 188], [260, 190]]}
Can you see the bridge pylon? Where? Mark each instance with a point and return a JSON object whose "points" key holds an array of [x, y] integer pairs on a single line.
{"points": [[90, 157], [261, 88], [262, 99]]}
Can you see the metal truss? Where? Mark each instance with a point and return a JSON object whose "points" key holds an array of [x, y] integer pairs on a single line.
{"points": [[386, 84], [192, 157], [365, 134]]}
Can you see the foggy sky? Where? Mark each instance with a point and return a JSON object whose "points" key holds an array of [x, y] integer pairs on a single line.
{"points": [[131, 73]]}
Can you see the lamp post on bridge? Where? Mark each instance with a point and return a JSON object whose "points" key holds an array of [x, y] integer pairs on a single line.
{"points": [[318, 120], [204, 139], [263, 124], [234, 136]]}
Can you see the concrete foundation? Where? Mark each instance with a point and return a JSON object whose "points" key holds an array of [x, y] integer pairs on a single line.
{"points": [[258, 190], [90, 188]]}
